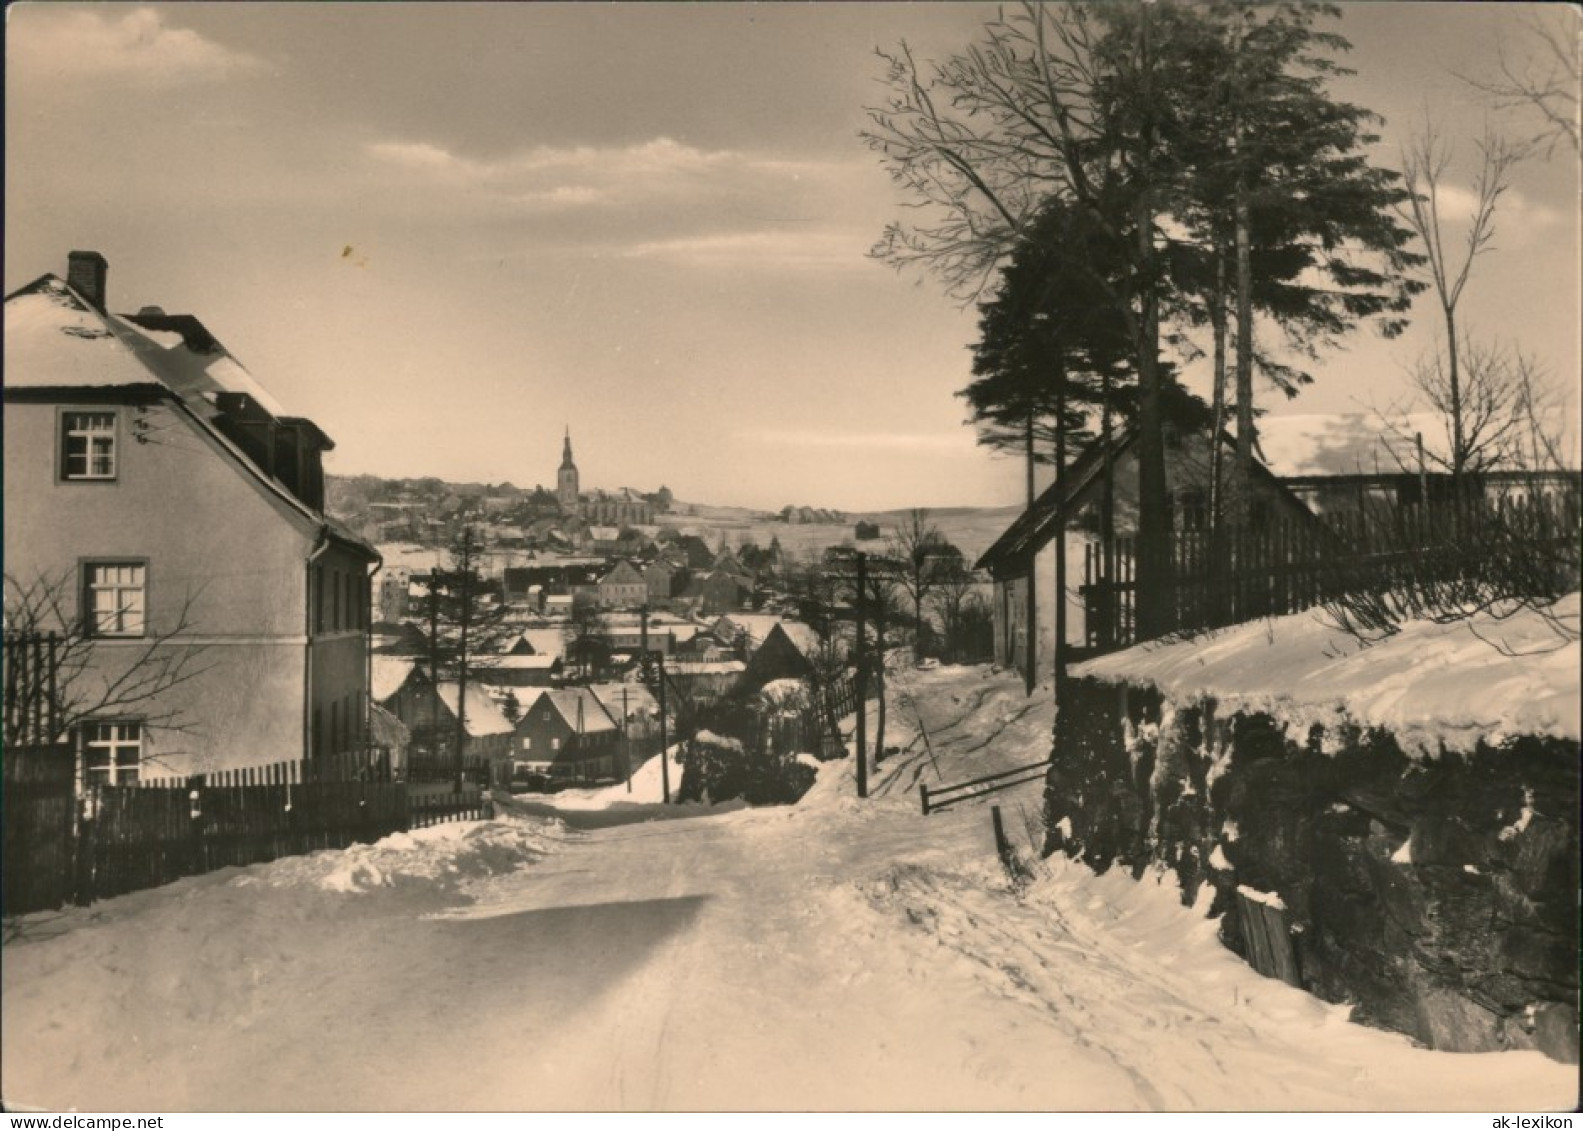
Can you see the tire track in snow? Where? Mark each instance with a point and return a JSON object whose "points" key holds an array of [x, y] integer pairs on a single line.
{"points": [[1011, 968]]}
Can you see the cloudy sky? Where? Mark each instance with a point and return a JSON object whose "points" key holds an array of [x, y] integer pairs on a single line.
{"points": [[447, 232]]}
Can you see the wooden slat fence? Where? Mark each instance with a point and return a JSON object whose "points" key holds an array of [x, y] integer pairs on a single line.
{"points": [[31, 694], [39, 834], [143, 837], [425, 809], [355, 766], [62, 847], [1288, 566]]}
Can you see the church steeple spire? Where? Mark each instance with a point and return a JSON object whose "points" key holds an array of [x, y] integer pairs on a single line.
{"points": [[566, 486]]}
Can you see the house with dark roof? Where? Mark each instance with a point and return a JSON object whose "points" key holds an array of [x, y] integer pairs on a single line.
{"points": [[622, 587], [401, 686], [663, 579], [790, 650], [177, 510], [565, 734], [699, 557], [716, 592], [1021, 562]]}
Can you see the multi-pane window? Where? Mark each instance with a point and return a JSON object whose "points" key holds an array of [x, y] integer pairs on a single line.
{"points": [[88, 445], [116, 593], [112, 752]]}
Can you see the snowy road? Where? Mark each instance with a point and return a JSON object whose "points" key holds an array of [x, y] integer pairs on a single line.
{"points": [[833, 955]]}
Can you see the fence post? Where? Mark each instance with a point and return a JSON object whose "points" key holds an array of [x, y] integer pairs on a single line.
{"points": [[1003, 849], [195, 825], [923, 795], [87, 846]]}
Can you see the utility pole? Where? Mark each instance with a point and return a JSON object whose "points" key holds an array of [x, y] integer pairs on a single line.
{"points": [[862, 676], [626, 742], [434, 655], [465, 610], [665, 754]]}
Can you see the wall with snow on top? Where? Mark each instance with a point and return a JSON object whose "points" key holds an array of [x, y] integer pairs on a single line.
{"points": [[1434, 686], [1437, 895]]}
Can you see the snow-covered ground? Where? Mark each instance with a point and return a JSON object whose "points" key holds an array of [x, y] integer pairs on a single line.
{"points": [[836, 954]]}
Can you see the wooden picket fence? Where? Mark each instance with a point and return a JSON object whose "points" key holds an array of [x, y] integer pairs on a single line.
{"points": [[40, 811], [1292, 565], [137, 838], [62, 846], [31, 695], [354, 766]]}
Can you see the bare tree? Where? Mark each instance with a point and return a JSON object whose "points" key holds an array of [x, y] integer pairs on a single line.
{"points": [[1540, 73], [923, 559], [1444, 378], [953, 599], [84, 680], [1506, 412]]}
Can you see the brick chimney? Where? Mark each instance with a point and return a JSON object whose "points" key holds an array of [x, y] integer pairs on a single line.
{"points": [[85, 274]]}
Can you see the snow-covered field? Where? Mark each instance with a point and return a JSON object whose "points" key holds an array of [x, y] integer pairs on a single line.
{"points": [[837, 954]]}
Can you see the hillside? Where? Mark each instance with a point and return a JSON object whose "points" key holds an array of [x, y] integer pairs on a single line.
{"points": [[350, 499], [970, 529]]}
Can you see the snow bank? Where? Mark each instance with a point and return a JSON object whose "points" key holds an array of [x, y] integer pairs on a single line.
{"points": [[441, 856], [1453, 685], [647, 788]]}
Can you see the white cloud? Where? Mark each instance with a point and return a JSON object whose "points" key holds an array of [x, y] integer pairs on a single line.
{"points": [[780, 247], [659, 201], [661, 158], [1517, 216], [138, 49], [661, 168]]}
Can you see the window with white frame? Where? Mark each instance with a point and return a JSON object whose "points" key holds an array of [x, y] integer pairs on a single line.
{"points": [[527, 744], [116, 598], [87, 445], [111, 752]]}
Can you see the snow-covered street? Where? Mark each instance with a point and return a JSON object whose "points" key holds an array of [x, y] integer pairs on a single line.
{"points": [[836, 954]]}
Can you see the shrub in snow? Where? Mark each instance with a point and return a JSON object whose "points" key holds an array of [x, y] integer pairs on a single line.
{"points": [[718, 768]]}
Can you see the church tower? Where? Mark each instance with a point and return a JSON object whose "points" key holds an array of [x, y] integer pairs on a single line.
{"points": [[566, 479]]}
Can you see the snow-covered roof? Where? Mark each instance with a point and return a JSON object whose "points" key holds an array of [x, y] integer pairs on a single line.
{"points": [[1431, 684], [604, 533], [703, 667], [192, 361], [638, 700], [387, 674], [1352, 443], [580, 708], [53, 337], [543, 641], [757, 625], [483, 714], [803, 637], [387, 730], [622, 573], [536, 662]]}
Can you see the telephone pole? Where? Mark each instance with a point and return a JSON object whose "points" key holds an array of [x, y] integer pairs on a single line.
{"points": [[862, 676]]}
